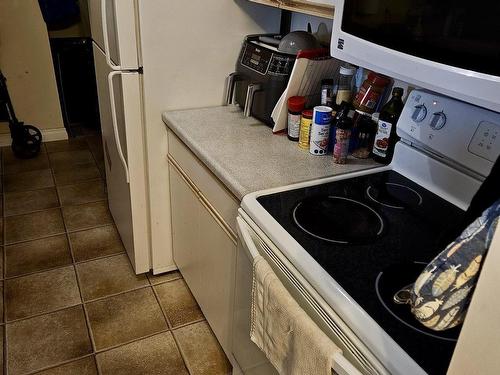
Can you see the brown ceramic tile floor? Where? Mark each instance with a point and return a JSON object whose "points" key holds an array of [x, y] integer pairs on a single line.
{"points": [[71, 301]]}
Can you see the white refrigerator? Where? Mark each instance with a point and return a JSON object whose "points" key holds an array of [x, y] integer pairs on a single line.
{"points": [[151, 56]]}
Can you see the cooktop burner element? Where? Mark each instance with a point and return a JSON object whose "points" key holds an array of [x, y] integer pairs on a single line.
{"points": [[389, 282], [316, 216], [394, 195], [338, 219]]}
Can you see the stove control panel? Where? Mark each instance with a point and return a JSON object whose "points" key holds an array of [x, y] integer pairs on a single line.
{"points": [[454, 130], [485, 141]]}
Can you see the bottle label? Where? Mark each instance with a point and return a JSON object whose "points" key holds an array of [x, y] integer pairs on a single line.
{"points": [[327, 96], [305, 132], [367, 98], [341, 147], [381, 143], [293, 125], [319, 139]]}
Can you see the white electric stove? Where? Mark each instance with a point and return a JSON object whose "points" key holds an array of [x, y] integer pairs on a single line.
{"points": [[343, 245]]}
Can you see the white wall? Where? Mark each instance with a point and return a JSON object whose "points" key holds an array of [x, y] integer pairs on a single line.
{"points": [[26, 61]]}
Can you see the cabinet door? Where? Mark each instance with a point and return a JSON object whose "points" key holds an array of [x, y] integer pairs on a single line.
{"points": [[217, 257], [185, 227], [205, 254]]}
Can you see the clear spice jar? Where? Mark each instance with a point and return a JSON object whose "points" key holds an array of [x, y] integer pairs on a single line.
{"points": [[371, 91], [345, 84]]}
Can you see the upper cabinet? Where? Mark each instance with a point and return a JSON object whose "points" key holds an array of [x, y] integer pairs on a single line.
{"points": [[320, 8]]}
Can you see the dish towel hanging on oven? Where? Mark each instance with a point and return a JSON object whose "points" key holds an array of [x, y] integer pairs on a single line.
{"points": [[291, 341]]}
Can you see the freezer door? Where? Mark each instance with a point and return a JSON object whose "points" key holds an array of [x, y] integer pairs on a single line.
{"points": [[120, 42], [120, 106]]}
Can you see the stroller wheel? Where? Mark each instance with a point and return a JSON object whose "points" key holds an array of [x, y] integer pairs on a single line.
{"points": [[26, 144]]}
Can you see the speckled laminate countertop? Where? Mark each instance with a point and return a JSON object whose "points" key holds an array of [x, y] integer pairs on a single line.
{"points": [[245, 155]]}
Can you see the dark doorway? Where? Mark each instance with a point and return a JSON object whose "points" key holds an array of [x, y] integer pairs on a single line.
{"points": [[76, 82]]}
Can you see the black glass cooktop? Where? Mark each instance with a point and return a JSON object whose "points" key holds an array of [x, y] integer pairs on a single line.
{"points": [[374, 234]]}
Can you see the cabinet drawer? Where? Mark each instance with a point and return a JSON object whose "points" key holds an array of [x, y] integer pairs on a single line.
{"points": [[222, 200]]}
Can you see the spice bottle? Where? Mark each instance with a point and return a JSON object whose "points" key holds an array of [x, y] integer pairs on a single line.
{"points": [[327, 92], [386, 137], [370, 92], [345, 84], [342, 111], [366, 129], [295, 106], [305, 129], [342, 136], [320, 130]]}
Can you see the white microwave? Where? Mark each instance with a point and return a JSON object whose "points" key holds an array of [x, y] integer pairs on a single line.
{"points": [[451, 47]]}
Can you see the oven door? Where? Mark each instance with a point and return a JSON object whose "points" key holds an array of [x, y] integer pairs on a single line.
{"points": [[250, 359]]}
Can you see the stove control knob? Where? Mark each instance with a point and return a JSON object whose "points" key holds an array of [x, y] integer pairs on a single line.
{"points": [[419, 113], [438, 120]]}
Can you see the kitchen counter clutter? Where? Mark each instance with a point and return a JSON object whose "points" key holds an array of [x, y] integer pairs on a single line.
{"points": [[244, 154]]}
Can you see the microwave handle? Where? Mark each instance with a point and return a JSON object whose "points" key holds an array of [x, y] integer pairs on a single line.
{"points": [[231, 79], [251, 90]]}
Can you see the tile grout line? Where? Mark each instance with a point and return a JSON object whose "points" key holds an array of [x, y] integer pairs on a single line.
{"points": [[78, 281], [61, 233], [95, 160], [73, 264], [183, 356], [109, 348], [39, 314], [63, 265], [86, 302], [4, 256], [5, 336], [37, 371], [60, 204]]}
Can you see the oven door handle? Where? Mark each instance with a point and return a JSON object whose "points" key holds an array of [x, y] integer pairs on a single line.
{"points": [[246, 238]]}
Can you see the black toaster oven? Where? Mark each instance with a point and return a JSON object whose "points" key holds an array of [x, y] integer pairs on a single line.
{"points": [[261, 76]]}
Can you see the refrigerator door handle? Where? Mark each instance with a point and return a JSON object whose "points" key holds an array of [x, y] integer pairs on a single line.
{"points": [[104, 20], [115, 123]]}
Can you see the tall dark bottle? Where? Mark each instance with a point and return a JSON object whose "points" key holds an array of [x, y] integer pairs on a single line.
{"points": [[386, 137]]}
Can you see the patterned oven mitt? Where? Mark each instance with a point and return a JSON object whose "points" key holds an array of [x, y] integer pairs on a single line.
{"points": [[440, 297]]}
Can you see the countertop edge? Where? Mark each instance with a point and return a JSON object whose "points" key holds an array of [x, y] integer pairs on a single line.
{"points": [[232, 185]]}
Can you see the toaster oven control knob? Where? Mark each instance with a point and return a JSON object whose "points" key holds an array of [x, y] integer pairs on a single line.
{"points": [[438, 120], [419, 113]]}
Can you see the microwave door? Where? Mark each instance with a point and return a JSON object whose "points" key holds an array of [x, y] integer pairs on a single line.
{"points": [[114, 24]]}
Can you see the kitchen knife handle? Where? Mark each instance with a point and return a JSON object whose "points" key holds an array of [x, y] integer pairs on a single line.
{"points": [[231, 79], [251, 90]]}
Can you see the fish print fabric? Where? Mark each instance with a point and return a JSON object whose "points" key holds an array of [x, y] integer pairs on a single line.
{"points": [[442, 293]]}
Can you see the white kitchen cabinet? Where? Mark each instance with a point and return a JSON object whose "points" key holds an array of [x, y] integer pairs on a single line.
{"points": [[320, 8], [204, 245]]}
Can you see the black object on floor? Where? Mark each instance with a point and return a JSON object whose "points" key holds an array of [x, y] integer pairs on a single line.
{"points": [[26, 139]]}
